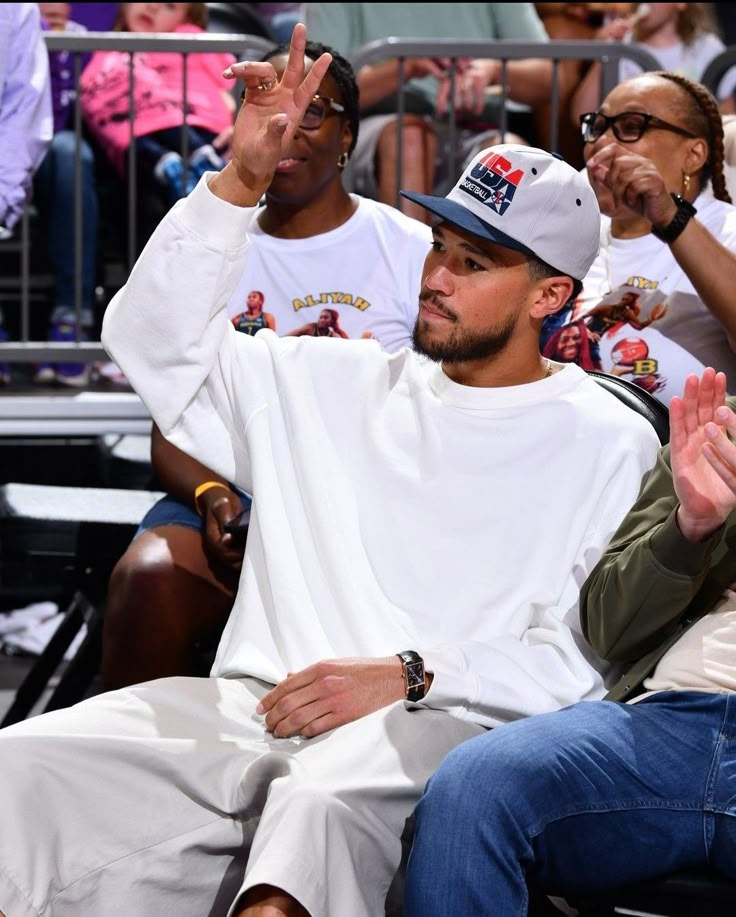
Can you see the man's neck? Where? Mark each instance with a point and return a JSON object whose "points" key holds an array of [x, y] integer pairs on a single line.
{"points": [[500, 372]]}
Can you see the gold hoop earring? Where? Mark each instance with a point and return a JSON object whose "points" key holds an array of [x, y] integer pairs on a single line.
{"points": [[342, 160]]}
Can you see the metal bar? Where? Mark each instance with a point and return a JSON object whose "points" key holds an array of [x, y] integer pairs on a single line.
{"points": [[452, 127], [78, 210], [25, 276], [132, 165], [400, 132], [554, 115], [184, 131], [504, 99]]}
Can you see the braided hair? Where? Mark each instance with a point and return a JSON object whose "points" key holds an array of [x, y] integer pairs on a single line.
{"points": [[342, 73], [699, 111]]}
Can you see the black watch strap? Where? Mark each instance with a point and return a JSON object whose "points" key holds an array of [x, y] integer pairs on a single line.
{"points": [[685, 212], [415, 684]]}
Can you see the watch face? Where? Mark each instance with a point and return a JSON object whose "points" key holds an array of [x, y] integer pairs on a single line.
{"points": [[414, 674]]}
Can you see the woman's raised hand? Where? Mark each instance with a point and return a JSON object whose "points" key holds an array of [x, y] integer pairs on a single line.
{"points": [[634, 182], [271, 111]]}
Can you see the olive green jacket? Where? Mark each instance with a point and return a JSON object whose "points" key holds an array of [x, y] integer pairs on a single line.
{"points": [[652, 584]]}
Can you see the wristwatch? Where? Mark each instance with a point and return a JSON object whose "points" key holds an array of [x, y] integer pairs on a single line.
{"points": [[685, 212], [414, 682]]}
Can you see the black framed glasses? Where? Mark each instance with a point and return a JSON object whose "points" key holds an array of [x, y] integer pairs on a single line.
{"points": [[627, 127], [317, 110]]}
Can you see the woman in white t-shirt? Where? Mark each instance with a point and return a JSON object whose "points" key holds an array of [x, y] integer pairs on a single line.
{"points": [[314, 250], [654, 155]]}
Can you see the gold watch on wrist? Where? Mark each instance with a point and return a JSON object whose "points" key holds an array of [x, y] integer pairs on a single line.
{"points": [[415, 682]]}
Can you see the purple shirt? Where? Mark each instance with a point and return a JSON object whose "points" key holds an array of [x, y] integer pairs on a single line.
{"points": [[63, 86], [25, 105]]}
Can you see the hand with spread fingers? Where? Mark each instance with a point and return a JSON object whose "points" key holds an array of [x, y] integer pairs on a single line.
{"points": [[331, 693], [703, 455], [268, 117]]}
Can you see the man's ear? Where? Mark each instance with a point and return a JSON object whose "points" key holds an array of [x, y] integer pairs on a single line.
{"points": [[551, 295]]}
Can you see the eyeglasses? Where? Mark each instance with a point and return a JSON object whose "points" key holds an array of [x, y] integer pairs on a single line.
{"points": [[317, 110], [628, 127]]}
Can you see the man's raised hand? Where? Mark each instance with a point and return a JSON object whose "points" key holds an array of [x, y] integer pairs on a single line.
{"points": [[703, 456]]}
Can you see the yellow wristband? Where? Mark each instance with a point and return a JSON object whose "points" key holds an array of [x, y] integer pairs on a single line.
{"points": [[202, 488]]}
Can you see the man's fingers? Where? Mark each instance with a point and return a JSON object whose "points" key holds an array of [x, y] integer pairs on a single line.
{"points": [[690, 403], [677, 424], [320, 725], [706, 396], [290, 684], [298, 721], [724, 468], [720, 384], [286, 705]]}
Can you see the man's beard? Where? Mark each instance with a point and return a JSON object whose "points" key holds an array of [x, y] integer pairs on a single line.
{"points": [[460, 346]]}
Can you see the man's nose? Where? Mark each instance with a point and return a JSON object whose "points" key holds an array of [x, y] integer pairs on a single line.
{"points": [[439, 279]]}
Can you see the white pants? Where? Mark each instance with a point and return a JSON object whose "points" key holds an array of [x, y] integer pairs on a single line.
{"points": [[170, 798]]}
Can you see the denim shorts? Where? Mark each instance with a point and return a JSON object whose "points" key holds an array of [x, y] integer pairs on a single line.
{"points": [[170, 511]]}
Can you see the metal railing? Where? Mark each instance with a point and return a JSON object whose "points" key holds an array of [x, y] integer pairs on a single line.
{"points": [[26, 350], [716, 69], [251, 47]]}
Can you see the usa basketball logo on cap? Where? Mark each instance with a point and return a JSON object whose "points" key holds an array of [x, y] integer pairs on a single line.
{"points": [[526, 199], [493, 181]]}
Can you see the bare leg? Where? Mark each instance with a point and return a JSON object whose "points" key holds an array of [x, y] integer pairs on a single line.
{"points": [[267, 901], [163, 597], [418, 151]]}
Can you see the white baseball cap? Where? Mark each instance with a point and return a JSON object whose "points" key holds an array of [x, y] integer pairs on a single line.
{"points": [[526, 199]]}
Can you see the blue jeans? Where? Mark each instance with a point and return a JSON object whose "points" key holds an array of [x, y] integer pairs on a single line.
{"points": [[54, 185], [170, 511], [593, 796]]}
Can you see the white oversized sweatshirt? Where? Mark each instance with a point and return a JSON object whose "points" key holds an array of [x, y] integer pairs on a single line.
{"points": [[393, 508]]}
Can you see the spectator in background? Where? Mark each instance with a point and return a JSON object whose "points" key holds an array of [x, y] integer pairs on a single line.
{"points": [[26, 119], [97, 17], [681, 36], [348, 26], [281, 18], [662, 281], [158, 83], [565, 22], [55, 192]]}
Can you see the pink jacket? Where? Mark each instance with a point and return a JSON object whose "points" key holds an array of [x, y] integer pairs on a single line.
{"points": [[104, 87]]}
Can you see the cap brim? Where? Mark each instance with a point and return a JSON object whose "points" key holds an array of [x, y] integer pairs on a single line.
{"points": [[459, 216]]}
